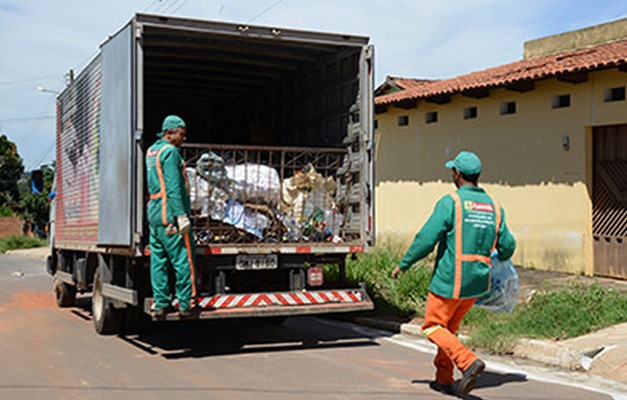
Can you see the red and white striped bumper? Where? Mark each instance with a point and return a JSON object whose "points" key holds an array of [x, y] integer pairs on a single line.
{"points": [[278, 304]]}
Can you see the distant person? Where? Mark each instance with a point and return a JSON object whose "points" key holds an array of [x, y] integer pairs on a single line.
{"points": [[168, 216], [467, 226]]}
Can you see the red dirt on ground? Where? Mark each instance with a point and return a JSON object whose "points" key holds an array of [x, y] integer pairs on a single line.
{"points": [[34, 300]]}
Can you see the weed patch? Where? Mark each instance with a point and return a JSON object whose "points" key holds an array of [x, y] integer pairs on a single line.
{"points": [[20, 242]]}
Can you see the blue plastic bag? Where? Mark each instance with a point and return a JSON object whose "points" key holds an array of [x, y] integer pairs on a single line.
{"points": [[503, 294]]}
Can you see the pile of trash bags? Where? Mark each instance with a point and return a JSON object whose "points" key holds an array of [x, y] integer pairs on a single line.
{"points": [[252, 198]]}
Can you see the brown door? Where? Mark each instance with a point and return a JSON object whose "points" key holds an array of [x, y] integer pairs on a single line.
{"points": [[609, 201]]}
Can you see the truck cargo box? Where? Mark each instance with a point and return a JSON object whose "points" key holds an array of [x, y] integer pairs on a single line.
{"points": [[235, 85]]}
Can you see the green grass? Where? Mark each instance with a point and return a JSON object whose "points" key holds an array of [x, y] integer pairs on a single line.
{"points": [[550, 314], [20, 242], [6, 211], [401, 298], [553, 314]]}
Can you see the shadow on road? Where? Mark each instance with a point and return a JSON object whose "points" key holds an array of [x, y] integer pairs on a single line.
{"points": [[488, 379], [176, 340], [207, 338]]}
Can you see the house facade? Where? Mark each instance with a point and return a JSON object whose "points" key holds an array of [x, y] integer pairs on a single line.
{"points": [[551, 131]]}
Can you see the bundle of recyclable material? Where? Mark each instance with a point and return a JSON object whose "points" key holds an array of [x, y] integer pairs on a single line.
{"points": [[305, 192], [503, 294], [309, 207], [249, 220], [254, 183], [209, 185]]}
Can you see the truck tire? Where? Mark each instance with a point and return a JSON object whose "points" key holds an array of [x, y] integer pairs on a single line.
{"points": [[64, 293], [107, 319]]}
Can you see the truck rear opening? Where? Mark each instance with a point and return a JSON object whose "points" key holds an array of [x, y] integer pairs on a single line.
{"points": [[289, 91]]}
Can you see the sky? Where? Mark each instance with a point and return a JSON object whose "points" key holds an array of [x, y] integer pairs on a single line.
{"points": [[41, 40]]}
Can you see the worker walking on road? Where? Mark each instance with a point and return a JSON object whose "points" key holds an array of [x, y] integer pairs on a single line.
{"points": [[467, 226], [168, 216]]}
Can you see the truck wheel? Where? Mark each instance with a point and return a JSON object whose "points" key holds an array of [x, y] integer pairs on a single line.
{"points": [[107, 319], [64, 293]]}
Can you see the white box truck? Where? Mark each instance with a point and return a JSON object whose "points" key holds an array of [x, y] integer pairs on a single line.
{"points": [[279, 157]]}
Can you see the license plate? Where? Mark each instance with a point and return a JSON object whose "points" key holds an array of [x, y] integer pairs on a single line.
{"points": [[256, 262]]}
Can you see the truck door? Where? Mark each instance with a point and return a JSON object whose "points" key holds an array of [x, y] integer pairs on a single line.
{"points": [[116, 141]]}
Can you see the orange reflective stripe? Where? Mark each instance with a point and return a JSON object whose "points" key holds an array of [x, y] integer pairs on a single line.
{"points": [[192, 271], [162, 192], [185, 179], [497, 210], [458, 246], [156, 196], [475, 257]]}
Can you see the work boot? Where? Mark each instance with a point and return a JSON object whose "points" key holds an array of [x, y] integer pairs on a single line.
{"points": [[470, 376], [192, 313], [158, 314], [161, 313], [445, 388]]}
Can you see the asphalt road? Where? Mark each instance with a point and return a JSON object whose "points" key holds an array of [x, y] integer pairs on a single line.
{"points": [[52, 353]]}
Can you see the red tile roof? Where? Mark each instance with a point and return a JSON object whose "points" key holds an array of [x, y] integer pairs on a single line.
{"points": [[410, 83], [573, 62]]}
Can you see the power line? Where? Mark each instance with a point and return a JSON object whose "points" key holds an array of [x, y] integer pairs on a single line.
{"points": [[170, 5], [43, 157], [150, 5], [179, 7], [265, 11], [162, 3]]}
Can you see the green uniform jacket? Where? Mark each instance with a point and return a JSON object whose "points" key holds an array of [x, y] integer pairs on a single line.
{"points": [[165, 167], [462, 275]]}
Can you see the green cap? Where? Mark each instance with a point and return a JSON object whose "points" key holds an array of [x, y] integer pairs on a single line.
{"points": [[171, 122], [466, 162]]}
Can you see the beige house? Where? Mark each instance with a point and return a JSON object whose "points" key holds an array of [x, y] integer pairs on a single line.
{"points": [[551, 131]]}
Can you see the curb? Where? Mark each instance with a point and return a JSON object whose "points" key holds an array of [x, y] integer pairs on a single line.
{"points": [[549, 353], [545, 352], [33, 252]]}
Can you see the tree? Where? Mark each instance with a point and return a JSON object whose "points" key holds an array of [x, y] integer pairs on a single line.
{"points": [[11, 168]]}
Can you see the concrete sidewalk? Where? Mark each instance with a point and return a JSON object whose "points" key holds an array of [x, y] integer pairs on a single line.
{"points": [[35, 252]]}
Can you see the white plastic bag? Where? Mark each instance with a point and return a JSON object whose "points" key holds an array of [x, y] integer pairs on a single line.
{"points": [[255, 183], [503, 294]]}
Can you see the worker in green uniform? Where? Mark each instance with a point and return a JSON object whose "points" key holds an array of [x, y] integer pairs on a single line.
{"points": [[467, 226], [168, 216]]}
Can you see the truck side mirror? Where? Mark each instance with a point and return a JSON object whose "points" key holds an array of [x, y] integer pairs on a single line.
{"points": [[37, 181]]}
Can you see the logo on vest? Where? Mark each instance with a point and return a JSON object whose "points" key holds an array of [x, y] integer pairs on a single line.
{"points": [[474, 206]]}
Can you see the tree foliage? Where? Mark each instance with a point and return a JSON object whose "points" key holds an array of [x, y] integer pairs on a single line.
{"points": [[11, 168]]}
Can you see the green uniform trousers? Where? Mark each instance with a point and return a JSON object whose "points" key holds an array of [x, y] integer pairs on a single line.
{"points": [[168, 248]]}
